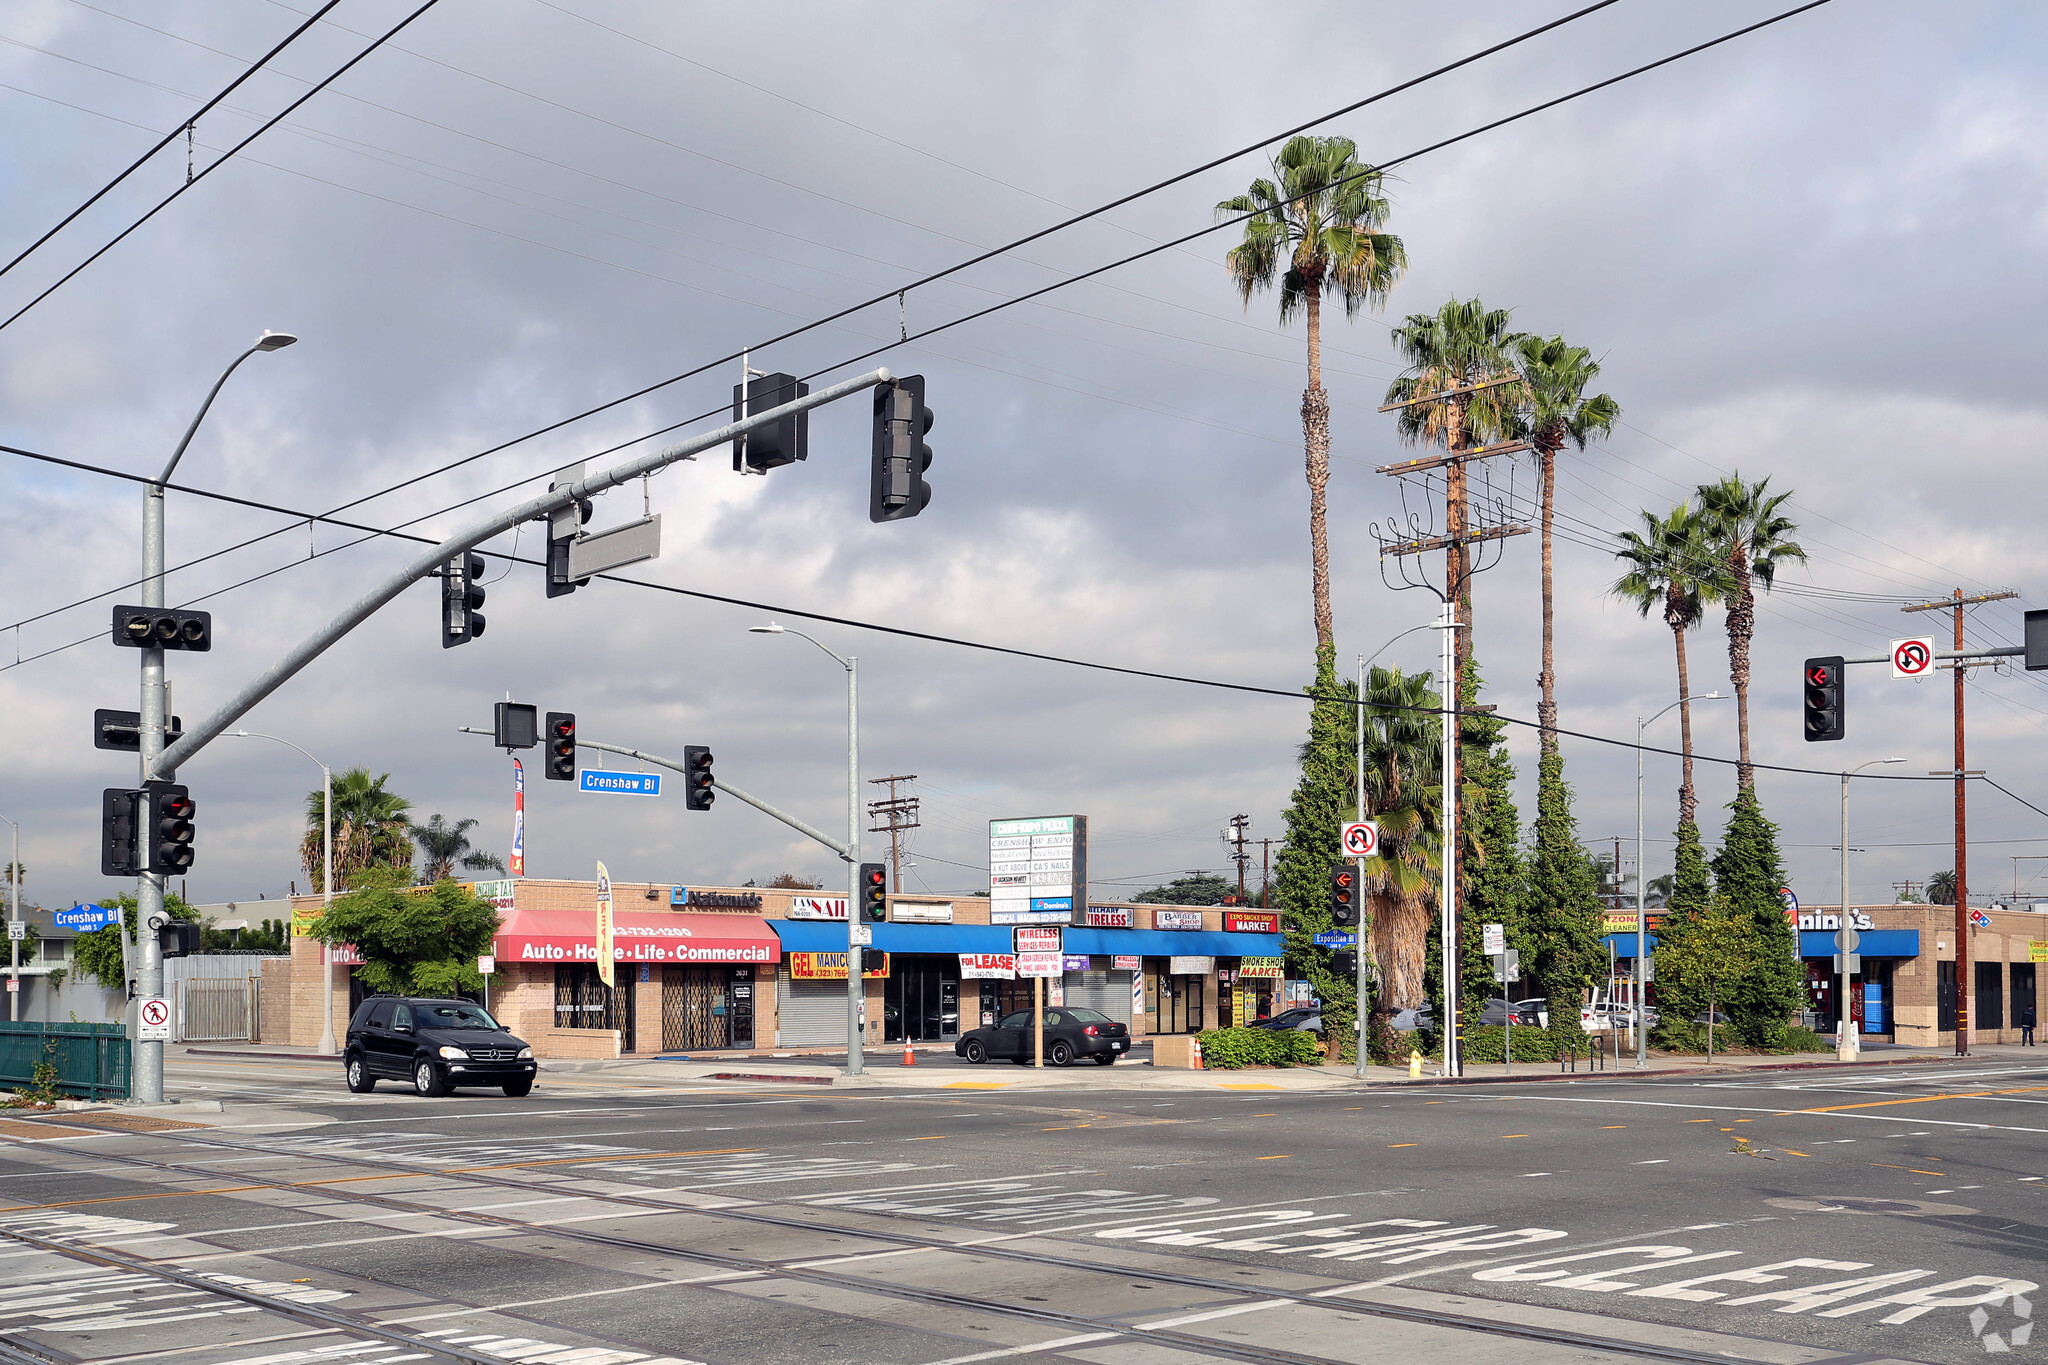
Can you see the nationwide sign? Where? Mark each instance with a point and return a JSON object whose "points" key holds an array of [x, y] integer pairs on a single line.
{"points": [[1038, 870]]}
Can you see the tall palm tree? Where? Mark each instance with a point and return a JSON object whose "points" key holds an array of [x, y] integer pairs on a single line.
{"points": [[444, 845], [370, 827], [1316, 226], [1461, 344], [1672, 569], [1751, 537], [1403, 793], [1554, 413]]}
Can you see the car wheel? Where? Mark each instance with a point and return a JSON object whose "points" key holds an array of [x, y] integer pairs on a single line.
{"points": [[360, 1081], [1106, 1061], [975, 1052], [426, 1080], [522, 1086], [1061, 1053]]}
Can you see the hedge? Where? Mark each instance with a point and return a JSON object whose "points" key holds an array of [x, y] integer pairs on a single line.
{"points": [[1228, 1049]]}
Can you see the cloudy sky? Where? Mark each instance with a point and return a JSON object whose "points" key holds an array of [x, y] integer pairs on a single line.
{"points": [[1815, 253]]}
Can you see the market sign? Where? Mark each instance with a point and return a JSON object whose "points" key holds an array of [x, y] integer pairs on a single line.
{"points": [[1111, 917], [1268, 967], [1251, 924], [1038, 866], [987, 967], [818, 907], [832, 966], [1176, 919]]}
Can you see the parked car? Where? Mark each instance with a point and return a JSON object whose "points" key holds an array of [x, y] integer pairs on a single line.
{"points": [[1718, 1020], [1303, 1018], [1070, 1032], [1407, 1021], [1620, 1015], [1528, 1013], [436, 1044]]}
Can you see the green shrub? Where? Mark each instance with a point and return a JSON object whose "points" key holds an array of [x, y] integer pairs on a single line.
{"points": [[1799, 1039], [1484, 1042], [1228, 1049]]}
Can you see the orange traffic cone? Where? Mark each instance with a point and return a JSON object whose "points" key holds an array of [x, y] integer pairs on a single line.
{"points": [[909, 1057]]}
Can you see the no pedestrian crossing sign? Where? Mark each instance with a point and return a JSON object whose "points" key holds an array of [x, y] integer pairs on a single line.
{"points": [[619, 784], [154, 1017], [1361, 838], [1913, 658]]}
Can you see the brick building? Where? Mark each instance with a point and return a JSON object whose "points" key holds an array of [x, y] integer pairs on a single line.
{"points": [[737, 969]]}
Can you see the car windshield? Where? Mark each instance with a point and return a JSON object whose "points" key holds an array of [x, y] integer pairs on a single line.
{"points": [[1081, 1016], [454, 1016]]}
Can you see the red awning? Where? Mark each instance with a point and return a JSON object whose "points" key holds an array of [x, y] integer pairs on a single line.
{"points": [[549, 936]]}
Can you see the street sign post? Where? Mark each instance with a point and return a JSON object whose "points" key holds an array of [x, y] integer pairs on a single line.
{"points": [[17, 929], [1913, 658], [1494, 940], [155, 1017], [1361, 838], [619, 784]]}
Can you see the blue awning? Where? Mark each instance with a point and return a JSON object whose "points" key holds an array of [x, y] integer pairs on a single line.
{"points": [[1870, 943], [1624, 945], [829, 936]]}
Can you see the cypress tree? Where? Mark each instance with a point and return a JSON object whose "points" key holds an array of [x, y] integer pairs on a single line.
{"points": [[1494, 889], [1690, 890], [1561, 923], [1325, 797], [1747, 876]]}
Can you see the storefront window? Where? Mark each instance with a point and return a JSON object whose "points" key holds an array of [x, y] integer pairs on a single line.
{"points": [[706, 1007], [921, 999], [583, 1001]]}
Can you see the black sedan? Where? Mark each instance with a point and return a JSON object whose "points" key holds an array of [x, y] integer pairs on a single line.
{"points": [[435, 1044], [1070, 1032]]}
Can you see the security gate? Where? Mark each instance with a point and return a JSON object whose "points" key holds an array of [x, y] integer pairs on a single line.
{"points": [[706, 1007], [220, 1009], [582, 1001]]}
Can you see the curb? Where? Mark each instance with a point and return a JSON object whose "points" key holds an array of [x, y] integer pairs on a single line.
{"points": [[1719, 1072], [763, 1076], [276, 1056]]}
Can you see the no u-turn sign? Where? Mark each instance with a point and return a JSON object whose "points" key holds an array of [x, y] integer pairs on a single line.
{"points": [[1913, 658]]}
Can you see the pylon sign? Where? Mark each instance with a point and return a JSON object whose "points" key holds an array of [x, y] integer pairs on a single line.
{"points": [[1361, 838], [1913, 658]]}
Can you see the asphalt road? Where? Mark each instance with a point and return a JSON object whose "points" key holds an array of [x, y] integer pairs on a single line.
{"points": [[1845, 1216]]}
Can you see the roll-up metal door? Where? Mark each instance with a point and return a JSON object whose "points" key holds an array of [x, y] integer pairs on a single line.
{"points": [[1109, 992], [808, 1013]]}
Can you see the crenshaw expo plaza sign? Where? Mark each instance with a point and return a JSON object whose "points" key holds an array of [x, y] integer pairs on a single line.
{"points": [[1038, 870]]}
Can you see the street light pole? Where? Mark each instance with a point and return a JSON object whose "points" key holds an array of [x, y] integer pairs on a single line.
{"points": [[149, 886], [1642, 914], [327, 1043], [855, 987], [1847, 1043], [13, 914]]}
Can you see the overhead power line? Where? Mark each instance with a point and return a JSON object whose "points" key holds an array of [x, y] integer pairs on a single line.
{"points": [[222, 160], [171, 136]]}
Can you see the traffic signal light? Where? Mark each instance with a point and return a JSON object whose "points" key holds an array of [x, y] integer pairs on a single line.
{"points": [[874, 892], [179, 938], [123, 730], [783, 441], [561, 736], [1344, 963], [1826, 699], [514, 725], [461, 595], [167, 825], [1344, 895], [163, 628], [698, 793], [117, 832], [898, 489]]}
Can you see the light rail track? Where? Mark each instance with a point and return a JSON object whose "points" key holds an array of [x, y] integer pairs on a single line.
{"points": [[754, 1266]]}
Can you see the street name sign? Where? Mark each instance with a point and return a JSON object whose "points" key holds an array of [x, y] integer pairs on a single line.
{"points": [[86, 917], [1335, 938], [619, 784]]}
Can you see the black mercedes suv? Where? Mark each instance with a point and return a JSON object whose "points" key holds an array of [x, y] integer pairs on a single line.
{"points": [[435, 1044]]}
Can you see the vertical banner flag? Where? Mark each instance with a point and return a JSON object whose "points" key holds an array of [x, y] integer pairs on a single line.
{"points": [[518, 818], [604, 925]]}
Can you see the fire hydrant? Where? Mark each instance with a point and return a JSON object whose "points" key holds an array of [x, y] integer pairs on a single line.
{"points": [[1414, 1065]]}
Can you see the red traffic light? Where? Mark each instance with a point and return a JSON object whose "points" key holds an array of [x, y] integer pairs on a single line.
{"points": [[876, 877]]}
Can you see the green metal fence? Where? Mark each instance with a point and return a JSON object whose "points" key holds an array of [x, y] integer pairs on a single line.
{"points": [[91, 1059]]}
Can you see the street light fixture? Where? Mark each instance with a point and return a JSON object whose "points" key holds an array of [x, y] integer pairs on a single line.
{"points": [[149, 886], [327, 1043], [854, 986], [1847, 1043], [1642, 914]]}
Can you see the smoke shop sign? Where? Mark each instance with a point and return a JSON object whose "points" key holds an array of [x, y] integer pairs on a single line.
{"points": [[1251, 924]]}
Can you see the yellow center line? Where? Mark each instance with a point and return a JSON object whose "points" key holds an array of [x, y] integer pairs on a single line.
{"points": [[1790, 1152], [1284, 1156], [358, 1179], [1695, 1120], [1606, 1126], [1920, 1099], [1404, 1144], [939, 1138], [1505, 1136]]}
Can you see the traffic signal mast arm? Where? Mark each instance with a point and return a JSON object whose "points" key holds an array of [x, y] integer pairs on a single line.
{"points": [[2002, 652], [430, 561], [837, 846]]}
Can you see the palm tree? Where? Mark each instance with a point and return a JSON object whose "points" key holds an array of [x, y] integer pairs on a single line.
{"points": [[1458, 345], [370, 828], [1316, 226], [443, 845], [1555, 412], [1941, 888], [1403, 792], [1752, 537], [1672, 569]]}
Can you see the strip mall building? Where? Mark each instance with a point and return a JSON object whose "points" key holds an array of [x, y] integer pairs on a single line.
{"points": [[751, 969]]}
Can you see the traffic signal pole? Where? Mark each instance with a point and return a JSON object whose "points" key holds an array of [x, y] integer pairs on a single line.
{"points": [[160, 762]]}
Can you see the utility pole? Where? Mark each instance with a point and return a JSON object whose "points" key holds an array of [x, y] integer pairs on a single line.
{"points": [[1266, 870], [1234, 836], [900, 814], [1955, 603]]}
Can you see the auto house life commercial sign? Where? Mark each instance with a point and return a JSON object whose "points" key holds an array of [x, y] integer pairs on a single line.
{"points": [[1038, 870]]}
